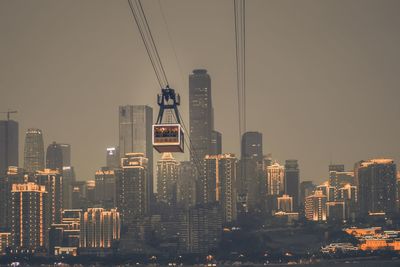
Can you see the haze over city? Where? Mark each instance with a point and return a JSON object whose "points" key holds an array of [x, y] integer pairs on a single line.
{"points": [[322, 76]]}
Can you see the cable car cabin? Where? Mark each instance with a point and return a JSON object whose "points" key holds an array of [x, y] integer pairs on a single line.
{"points": [[168, 138]]}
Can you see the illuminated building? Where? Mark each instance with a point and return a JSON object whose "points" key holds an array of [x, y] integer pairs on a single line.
{"points": [[327, 190], [28, 217], [286, 217], [90, 191], [54, 157], [131, 188], [112, 157], [135, 136], [219, 183], [14, 175], [315, 206], [5, 242], [186, 185], [68, 174], [339, 179], [99, 228], [306, 188], [8, 145], [105, 187], [33, 150], [285, 203], [336, 211], [167, 176], [201, 118], [64, 237], [216, 143], [52, 180], [275, 179], [349, 194], [292, 181], [376, 181]]}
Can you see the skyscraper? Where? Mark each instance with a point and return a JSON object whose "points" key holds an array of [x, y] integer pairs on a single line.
{"points": [[339, 179], [66, 154], [135, 135], [186, 184], [252, 146], [377, 187], [54, 157], [219, 183], [28, 217], [292, 178], [8, 145], [216, 143], [99, 228], [167, 177], [34, 150], [200, 114], [315, 206], [306, 189], [112, 157], [105, 187], [275, 179], [285, 203], [131, 188]]}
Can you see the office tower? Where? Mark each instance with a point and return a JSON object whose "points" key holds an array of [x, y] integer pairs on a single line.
{"points": [[14, 175], [315, 206], [99, 228], [336, 168], [219, 183], [135, 136], [306, 188], [275, 179], [377, 187], [349, 194], [112, 157], [54, 157], [252, 146], [200, 114], [8, 145], [167, 176], [216, 143], [327, 190], [34, 150], [65, 236], [285, 203], [186, 184], [68, 174], [131, 188], [90, 189], [336, 211], [52, 180], [292, 181], [339, 179], [28, 217], [66, 154], [5, 242], [105, 187]]}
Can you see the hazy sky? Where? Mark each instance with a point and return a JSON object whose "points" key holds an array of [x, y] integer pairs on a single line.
{"points": [[323, 76]]}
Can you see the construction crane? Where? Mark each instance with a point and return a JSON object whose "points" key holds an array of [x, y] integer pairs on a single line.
{"points": [[9, 112]]}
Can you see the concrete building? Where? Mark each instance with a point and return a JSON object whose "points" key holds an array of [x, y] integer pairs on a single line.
{"points": [[33, 150], [167, 177], [315, 206], [8, 145]]}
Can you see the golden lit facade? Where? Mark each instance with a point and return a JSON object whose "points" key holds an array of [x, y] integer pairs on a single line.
{"points": [[285, 203], [167, 177], [28, 216], [275, 179], [5, 242], [315, 206], [99, 228]]}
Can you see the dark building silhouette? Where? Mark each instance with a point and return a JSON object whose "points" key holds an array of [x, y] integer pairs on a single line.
{"points": [[8, 145], [306, 189], [292, 177], [336, 167], [186, 185], [66, 154], [252, 146], [112, 158], [377, 187], [54, 157], [200, 114], [33, 150], [105, 187]]}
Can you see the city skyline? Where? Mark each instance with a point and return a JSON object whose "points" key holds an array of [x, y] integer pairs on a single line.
{"points": [[328, 88]]}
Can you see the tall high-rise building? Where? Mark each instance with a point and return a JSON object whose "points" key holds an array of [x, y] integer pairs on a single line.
{"points": [[216, 143], [105, 187], [8, 145], [68, 174], [377, 187], [327, 190], [167, 177], [99, 228], [54, 157], [200, 114], [66, 154], [14, 175], [339, 179], [28, 217], [112, 157], [52, 180], [34, 150], [252, 146], [219, 183], [135, 136], [306, 188], [285, 203], [336, 168], [186, 184], [131, 188], [275, 179], [315, 206], [292, 181]]}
